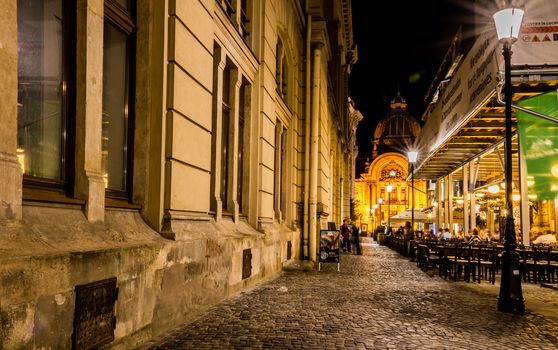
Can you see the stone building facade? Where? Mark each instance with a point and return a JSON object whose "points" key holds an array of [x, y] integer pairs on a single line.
{"points": [[178, 150]]}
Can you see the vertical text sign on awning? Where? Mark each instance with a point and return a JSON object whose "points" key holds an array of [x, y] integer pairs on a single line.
{"points": [[475, 79]]}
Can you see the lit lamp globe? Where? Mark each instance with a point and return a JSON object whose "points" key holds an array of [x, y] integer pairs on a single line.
{"points": [[412, 156], [508, 22]]}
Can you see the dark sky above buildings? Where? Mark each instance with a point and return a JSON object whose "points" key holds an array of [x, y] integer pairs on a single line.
{"points": [[400, 42]]}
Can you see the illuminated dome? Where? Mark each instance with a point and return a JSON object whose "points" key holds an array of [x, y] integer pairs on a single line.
{"points": [[398, 102], [397, 131]]}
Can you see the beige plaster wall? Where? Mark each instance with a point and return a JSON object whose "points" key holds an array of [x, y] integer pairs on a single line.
{"points": [[10, 170]]}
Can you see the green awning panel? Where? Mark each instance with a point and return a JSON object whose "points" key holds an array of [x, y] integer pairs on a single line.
{"points": [[539, 141]]}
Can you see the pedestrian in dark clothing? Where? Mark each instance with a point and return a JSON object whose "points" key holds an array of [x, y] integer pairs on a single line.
{"points": [[356, 239], [345, 232]]}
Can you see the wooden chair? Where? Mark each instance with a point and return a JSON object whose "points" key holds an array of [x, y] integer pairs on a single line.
{"points": [[486, 263], [462, 262]]}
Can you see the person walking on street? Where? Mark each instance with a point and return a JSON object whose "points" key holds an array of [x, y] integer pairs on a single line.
{"points": [[345, 232], [356, 239]]}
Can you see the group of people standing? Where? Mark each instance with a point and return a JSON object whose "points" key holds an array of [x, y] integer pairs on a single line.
{"points": [[350, 234], [473, 236]]}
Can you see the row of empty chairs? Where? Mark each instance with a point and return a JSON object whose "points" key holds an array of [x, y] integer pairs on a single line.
{"points": [[482, 262]]}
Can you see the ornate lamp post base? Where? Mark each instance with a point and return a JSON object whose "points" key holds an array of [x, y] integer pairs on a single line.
{"points": [[511, 296]]}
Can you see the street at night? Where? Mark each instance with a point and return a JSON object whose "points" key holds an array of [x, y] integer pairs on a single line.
{"points": [[378, 300], [202, 174]]}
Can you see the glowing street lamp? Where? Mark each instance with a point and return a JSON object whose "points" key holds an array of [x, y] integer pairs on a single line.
{"points": [[508, 24], [380, 201], [389, 188], [412, 156]]}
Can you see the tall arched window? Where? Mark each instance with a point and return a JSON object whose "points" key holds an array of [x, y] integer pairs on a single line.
{"points": [[281, 70]]}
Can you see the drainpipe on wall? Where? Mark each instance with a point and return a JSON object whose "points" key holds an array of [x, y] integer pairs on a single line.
{"points": [[307, 117], [316, 78]]}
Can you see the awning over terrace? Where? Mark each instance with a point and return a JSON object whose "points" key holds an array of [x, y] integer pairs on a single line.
{"points": [[468, 120]]}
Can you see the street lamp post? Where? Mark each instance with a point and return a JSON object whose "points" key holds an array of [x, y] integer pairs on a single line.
{"points": [[508, 23], [380, 201], [412, 156], [375, 210], [389, 188]]}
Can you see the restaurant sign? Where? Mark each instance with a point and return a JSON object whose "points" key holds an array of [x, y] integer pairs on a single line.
{"points": [[329, 246], [473, 83], [538, 39]]}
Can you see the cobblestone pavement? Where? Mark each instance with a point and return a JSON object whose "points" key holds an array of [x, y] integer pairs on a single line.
{"points": [[379, 300]]}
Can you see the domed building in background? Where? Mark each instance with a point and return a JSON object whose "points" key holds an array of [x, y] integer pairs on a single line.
{"points": [[383, 192], [397, 131]]}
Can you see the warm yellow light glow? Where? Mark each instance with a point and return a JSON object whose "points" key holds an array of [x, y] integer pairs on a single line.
{"points": [[554, 170], [530, 183], [435, 204], [389, 188], [494, 189], [105, 179], [412, 155], [21, 158], [380, 200], [480, 194], [532, 196], [375, 206], [459, 201], [516, 197], [554, 188]]}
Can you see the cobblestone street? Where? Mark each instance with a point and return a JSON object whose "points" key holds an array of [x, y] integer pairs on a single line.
{"points": [[378, 301]]}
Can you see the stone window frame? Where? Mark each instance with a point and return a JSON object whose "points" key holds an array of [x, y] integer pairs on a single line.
{"points": [[227, 126], [280, 173], [239, 13], [281, 71], [243, 146], [229, 205]]}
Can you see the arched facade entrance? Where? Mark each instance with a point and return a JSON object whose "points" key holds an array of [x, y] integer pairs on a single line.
{"points": [[375, 205]]}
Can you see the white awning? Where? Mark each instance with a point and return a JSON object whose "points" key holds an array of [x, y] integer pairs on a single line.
{"points": [[405, 216]]}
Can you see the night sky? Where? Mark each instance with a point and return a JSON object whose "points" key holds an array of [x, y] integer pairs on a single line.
{"points": [[402, 43]]}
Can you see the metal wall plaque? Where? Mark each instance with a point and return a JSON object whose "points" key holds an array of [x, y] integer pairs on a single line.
{"points": [[289, 250], [246, 263], [94, 319]]}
